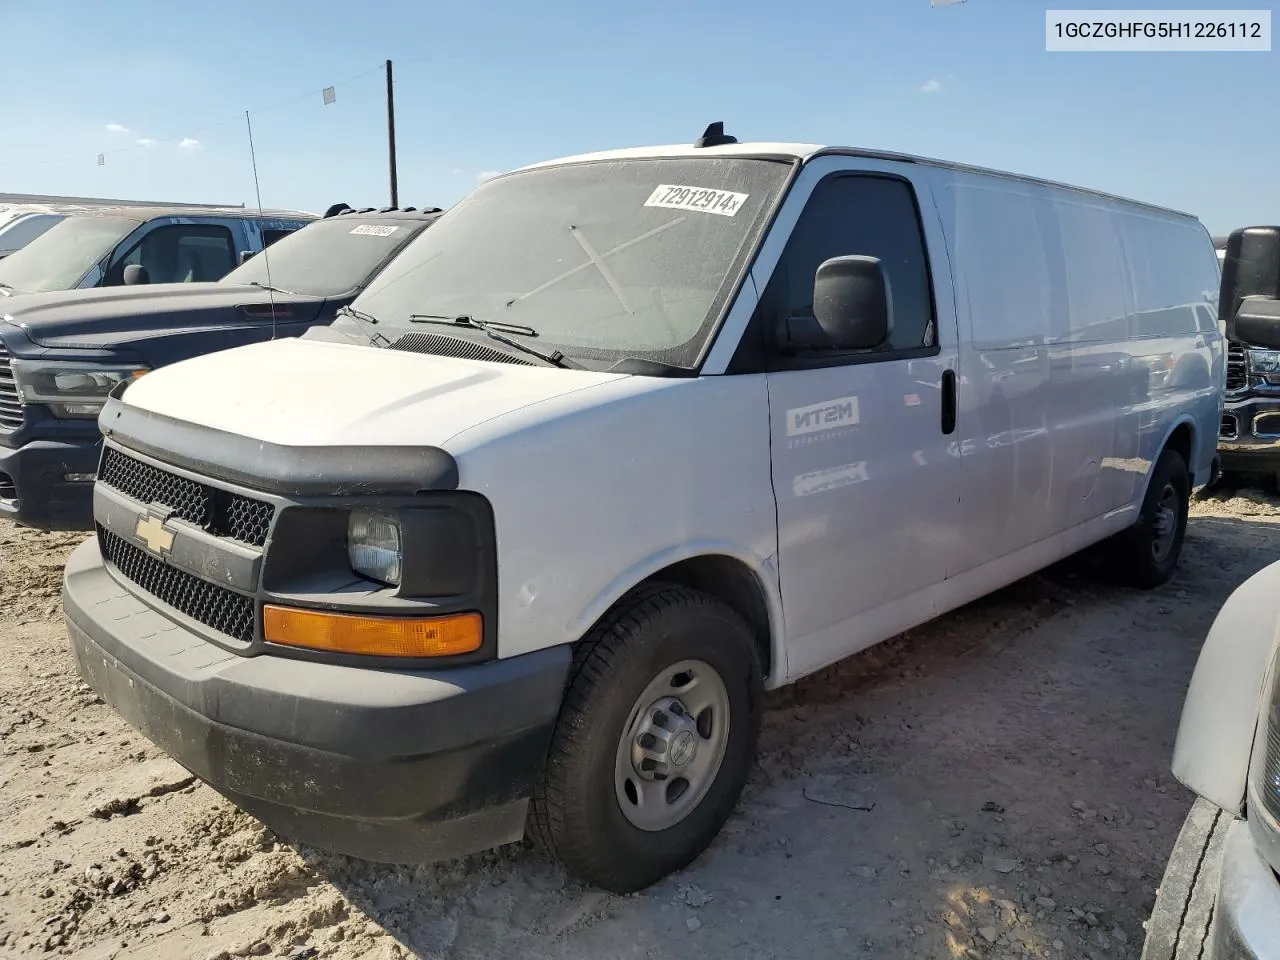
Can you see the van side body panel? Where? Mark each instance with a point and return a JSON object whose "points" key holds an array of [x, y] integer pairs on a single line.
{"points": [[1087, 337]]}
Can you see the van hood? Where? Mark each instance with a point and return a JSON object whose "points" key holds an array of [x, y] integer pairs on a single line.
{"points": [[92, 319], [297, 392]]}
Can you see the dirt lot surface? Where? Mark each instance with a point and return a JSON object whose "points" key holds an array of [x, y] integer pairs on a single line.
{"points": [[995, 784]]}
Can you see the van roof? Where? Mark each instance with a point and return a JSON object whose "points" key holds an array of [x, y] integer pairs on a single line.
{"points": [[807, 151]]}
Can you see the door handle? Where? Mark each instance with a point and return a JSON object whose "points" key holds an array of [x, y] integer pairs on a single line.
{"points": [[948, 401]]}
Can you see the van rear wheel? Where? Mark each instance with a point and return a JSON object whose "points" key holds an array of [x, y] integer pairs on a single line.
{"points": [[1146, 554], [654, 740]]}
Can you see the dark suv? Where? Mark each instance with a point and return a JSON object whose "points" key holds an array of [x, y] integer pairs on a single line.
{"points": [[62, 353]]}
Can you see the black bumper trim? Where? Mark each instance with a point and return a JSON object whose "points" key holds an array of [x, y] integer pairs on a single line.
{"points": [[386, 765]]}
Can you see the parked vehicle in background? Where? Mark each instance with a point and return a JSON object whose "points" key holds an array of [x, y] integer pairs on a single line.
{"points": [[1220, 896], [1220, 244], [23, 217], [61, 353], [115, 246], [1249, 440], [625, 439]]}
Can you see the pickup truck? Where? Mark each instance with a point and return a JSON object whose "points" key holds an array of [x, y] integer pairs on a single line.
{"points": [[97, 248], [60, 353], [1249, 438]]}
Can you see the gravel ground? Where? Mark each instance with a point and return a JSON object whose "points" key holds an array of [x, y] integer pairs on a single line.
{"points": [[994, 784]]}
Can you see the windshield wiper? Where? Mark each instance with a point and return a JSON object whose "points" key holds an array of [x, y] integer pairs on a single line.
{"points": [[492, 327], [468, 321], [368, 319]]}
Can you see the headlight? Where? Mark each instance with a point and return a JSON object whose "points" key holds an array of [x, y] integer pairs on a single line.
{"points": [[374, 546], [73, 391], [1265, 363]]}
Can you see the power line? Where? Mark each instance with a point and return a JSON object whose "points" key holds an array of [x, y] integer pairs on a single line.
{"points": [[146, 142]]}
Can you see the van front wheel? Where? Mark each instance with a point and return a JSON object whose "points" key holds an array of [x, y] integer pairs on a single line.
{"points": [[654, 741], [1146, 554]]}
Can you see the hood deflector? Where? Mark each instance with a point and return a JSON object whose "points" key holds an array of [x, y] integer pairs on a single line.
{"points": [[277, 468]]}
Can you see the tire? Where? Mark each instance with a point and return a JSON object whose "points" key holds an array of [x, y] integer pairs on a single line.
{"points": [[1146, 555], [1180, 921], [582, 811]]}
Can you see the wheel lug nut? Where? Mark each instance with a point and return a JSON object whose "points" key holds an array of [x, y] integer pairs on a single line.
{"points": [[648, 764], [660, 719], [647, 741]]}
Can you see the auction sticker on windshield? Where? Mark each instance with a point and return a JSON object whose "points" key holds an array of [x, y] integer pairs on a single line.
{"points": [[723, 202], [374, 230]]}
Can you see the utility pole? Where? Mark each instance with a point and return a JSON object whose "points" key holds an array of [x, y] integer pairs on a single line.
{"points": [[391, 136]]}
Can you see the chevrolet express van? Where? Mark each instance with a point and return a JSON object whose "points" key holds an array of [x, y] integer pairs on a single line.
{"points": [[619, 442]]}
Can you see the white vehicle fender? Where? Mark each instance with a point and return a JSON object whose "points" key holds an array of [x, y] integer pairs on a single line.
{"points": [[763, 569], [1220, 715]]}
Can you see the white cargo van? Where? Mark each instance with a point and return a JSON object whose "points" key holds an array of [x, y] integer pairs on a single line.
{"points": [[622, 440]]}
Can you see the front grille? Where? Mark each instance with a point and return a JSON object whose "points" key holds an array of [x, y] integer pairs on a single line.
{"points": [[1271, 765], [454, 347], [10, 405], [1237, 367], [222, 513], [216, 607]]}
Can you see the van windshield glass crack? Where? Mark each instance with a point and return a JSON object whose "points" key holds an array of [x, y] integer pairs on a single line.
{"points": [[632, 258]]}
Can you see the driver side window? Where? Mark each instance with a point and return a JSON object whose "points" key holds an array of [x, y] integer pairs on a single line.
{"points": [[180, 253], [856, 215]]}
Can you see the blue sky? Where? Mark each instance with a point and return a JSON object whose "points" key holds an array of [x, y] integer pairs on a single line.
{"points": [[485, 87]]}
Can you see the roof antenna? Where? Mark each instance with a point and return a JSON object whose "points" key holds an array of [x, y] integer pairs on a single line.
{"points": [[266, 261], [714, 136]]}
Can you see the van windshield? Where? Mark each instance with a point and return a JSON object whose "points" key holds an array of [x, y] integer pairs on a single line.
{"points": [[59, 258], [604, 259]]}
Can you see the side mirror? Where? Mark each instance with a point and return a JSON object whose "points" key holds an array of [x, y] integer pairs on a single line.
{"points": [[851, 302], [852, 308], [1256, 323], [246, 256], [1250, 268], [134, 274]]}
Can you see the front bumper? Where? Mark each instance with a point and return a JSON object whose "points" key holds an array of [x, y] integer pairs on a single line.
{"points": [[1249, 439], [34, 490], [389, 765], [1246, 917]]}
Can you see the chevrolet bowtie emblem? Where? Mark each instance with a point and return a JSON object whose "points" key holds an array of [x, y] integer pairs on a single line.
{"points": [[151, 531]]}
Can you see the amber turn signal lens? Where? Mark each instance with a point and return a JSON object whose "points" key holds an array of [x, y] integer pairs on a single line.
{"points": [[373, 636]]}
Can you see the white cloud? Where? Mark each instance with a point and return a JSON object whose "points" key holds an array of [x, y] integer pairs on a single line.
{"points": [[146, 142], [931, 86], [484, 175], [117, 128], [189, 143]]}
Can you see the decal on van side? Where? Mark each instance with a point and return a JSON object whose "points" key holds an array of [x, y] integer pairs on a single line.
{"points": [[828, 415], [832, 478]]}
